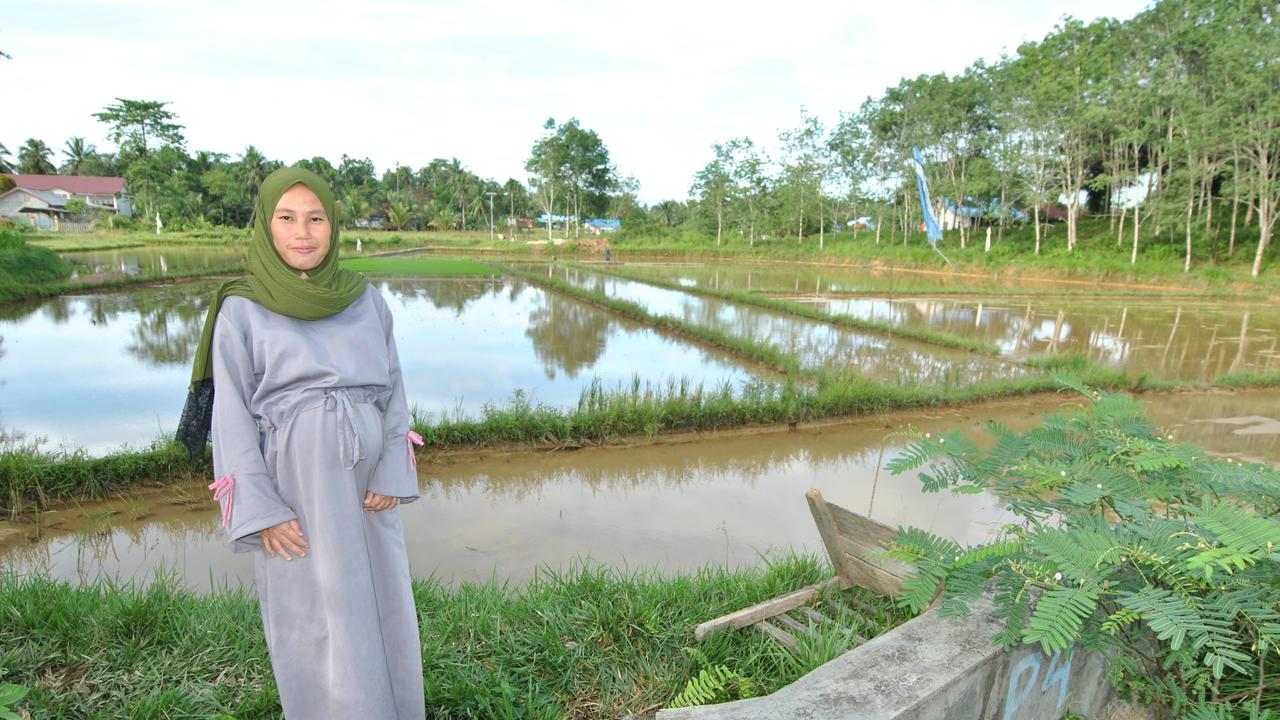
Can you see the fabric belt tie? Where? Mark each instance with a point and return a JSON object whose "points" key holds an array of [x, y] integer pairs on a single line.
{"points": [[224, 487], [350, 441], [413, 439]]}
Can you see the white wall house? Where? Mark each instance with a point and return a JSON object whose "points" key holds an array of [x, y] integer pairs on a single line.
{"points": [[104, 193], [39, 209]]}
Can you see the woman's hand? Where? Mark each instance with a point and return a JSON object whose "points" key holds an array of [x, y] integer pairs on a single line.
{"points": [[373, 502], [280, 540]]}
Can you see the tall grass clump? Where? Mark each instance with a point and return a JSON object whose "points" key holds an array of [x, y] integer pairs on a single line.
{"points": [[33, 477], [24, 264], [584, 642]]}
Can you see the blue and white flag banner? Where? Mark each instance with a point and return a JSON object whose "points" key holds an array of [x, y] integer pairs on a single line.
{"points": [[930, 224]]}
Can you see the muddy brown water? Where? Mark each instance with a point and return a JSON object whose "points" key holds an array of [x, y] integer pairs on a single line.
{"points": [[677, 504]]}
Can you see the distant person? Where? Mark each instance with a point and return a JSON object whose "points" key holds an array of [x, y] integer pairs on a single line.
{"points": [[608, 253], [298, 372]]}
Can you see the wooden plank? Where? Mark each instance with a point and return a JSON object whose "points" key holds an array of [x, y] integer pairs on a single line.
{"points": [[777, 633], [872, 577], [791, 623], [832, 602], [751, 615], [814, 615], [867, 539], [856, 526], [868, 614], [827, 530]]}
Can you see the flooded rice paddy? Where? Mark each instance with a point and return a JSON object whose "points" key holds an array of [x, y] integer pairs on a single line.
{"points": [[675, 505], [1169, 338], [815, 344], [794, 278], [101, 370], [1183, 340], [99, 265]]}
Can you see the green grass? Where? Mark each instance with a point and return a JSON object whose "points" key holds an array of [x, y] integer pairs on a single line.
{"points": [[604, 416], [417, 266], [117, 239], [925, 335], [30, 478], [14, 293], [22, 263], [1096, 257], [588, 642], [73, 244], [1248, 380]]}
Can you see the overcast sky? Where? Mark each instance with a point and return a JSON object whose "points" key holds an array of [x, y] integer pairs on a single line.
{"points": [[405, 82]]}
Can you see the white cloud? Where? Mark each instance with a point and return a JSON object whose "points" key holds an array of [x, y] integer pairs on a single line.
{"points": [[401, 81]]}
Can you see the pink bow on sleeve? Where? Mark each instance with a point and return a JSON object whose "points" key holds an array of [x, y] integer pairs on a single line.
{"points": [[224, 488], [414, 439]]}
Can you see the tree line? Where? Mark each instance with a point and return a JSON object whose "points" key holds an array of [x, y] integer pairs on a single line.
{"points": [[1167, 123]]}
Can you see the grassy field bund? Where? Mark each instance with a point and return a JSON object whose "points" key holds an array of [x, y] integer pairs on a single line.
{"points": [[31, 479], [588, 642]]}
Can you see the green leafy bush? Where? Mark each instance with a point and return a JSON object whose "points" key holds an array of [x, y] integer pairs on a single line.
{"points": [[1128, 543]]}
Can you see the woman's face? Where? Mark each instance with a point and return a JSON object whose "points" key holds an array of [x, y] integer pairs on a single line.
{"points": [[300, 228]]}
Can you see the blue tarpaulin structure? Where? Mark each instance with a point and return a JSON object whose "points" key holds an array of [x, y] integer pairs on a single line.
{"points": [[971, 211], [542, 219]]}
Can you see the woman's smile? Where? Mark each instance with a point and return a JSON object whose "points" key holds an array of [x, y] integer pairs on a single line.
{"points": [[300, 228]]}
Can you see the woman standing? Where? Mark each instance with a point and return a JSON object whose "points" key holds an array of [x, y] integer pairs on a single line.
{"points": [[312, 453]]}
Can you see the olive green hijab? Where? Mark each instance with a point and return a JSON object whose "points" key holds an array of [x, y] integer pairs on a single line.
{"points": [[327, 290]]}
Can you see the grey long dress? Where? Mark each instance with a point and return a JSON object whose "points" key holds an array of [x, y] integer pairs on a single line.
{"points": [[307, 416]]}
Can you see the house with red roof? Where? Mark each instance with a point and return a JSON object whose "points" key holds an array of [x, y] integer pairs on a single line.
{"points": [[41, 199]]}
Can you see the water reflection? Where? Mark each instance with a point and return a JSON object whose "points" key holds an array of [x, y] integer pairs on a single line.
{"points": [[101, 370], [674, 506], [1176, 338], [815, 344], [1182, 339], [99, 265], [828, 279], [567, 335]]}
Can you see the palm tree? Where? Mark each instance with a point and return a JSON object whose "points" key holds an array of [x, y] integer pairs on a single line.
{"points": [[78, 153], [399, 215], [33, 158], [253, 168], [446, 218], [357, 206], [459, 185], [5, 165]]}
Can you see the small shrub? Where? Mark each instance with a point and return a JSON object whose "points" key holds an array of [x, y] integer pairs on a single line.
{"points": [[1128, 543]]}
